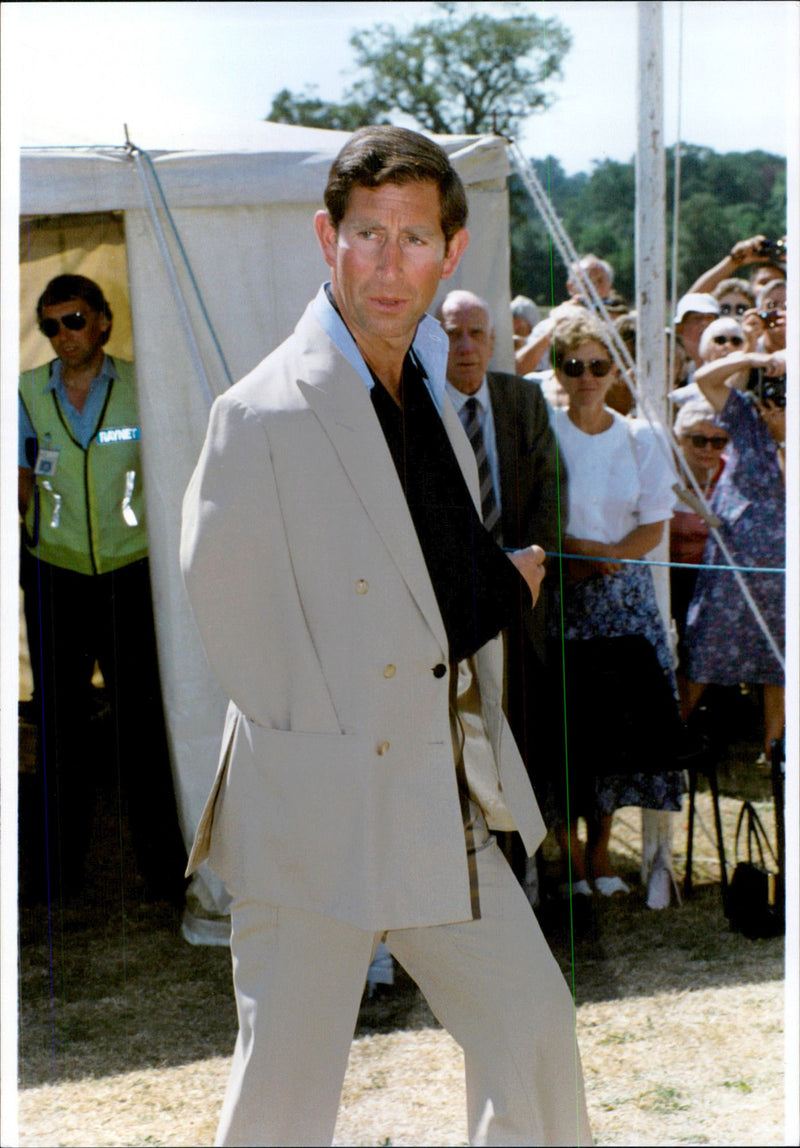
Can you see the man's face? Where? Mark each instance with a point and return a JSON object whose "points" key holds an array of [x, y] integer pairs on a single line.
{"points": [[77, 349], [597, 276], [387, 259], [469, 330], [690, 329]]}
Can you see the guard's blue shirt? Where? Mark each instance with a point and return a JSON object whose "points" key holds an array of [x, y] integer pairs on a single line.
{"points": [[81, 423]]}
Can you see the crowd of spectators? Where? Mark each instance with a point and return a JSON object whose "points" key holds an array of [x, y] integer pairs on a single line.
{"points": [[725, 361]]}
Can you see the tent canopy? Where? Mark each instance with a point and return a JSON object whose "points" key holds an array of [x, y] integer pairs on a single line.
{"points": [[202, 240]]}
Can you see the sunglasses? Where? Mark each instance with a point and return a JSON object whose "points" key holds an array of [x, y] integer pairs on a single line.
{"points": [[734, 340], [716, 442], [731, 309], [75, 321], [574, 368]]}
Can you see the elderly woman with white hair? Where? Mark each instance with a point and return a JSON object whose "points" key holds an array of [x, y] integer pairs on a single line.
{"points": [[702, 443], [721, 338]]}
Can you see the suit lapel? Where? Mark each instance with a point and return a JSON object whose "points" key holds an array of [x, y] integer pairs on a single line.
{"points": [[508, 439], [341, 402]]}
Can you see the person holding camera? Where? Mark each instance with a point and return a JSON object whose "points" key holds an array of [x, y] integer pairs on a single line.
{"points": [[750, 500], [754, 252], [765, 325]]}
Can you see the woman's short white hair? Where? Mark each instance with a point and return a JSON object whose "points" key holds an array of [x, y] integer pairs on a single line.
{"points": [[524, 308], [727, 325], [692, 413]]}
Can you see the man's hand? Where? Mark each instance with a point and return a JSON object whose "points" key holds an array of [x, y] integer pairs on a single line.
{"points": [[748, 251], [530, 563]]}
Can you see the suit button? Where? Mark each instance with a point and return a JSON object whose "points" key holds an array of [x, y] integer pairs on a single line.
{"points": [[383, 749], [389, 671], [440, 670], [362, 586]]}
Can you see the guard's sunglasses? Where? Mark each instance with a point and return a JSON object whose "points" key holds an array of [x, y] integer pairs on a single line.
{"points": [[75, 321]]}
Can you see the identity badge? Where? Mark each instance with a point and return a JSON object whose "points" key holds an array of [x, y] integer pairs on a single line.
{"points": [[47, 461]]}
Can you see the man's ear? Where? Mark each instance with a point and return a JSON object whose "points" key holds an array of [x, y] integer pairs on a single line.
{"points": [[326, 234], [455, 249]]}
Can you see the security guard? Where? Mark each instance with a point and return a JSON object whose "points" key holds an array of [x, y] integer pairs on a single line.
{"points": [[88, 598]]}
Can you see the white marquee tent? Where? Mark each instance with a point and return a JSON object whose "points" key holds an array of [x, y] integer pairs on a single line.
{"points": [[203, 244]]}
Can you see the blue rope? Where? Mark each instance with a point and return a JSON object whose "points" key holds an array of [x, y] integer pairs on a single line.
{"points": [[672, 565]]}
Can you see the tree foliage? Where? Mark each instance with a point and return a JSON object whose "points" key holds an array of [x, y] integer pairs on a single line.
{"points": [[724, 198], [458, 74], [309, 111]]}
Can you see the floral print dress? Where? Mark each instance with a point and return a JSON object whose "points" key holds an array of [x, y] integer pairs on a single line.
{"points": [[724, 641]]}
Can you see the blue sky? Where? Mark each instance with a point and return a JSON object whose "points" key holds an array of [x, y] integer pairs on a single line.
{"points": [[113, 63]]}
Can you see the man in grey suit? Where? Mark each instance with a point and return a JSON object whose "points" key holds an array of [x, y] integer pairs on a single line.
{"points": [[529, 486], [349, 600]]}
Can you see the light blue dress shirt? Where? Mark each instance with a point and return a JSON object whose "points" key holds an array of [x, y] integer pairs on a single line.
{"points": [[430, 345], [81, 423]]}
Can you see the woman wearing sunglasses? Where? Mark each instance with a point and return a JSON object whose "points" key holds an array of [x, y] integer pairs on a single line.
{"points": [[750, 500], [735, 296], [620, 496], [702, 444]]}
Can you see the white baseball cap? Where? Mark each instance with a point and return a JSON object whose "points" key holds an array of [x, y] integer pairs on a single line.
{"points": [[698, 302]]}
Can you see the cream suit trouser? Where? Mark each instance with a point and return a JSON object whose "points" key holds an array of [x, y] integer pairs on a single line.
{"points": [[492, 983]]}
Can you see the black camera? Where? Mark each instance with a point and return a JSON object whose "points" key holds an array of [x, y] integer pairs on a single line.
{"points": [[767, 388], [770, 318], [775, 248]]}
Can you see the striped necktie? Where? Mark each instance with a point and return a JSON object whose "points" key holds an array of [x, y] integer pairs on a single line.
{"points": [[472, 418]]}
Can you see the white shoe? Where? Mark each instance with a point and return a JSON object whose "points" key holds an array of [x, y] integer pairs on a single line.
{"points": [[608, 886], [575, 889]]}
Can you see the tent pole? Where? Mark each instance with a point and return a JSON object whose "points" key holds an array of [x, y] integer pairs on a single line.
{"points": [[651, 293]]}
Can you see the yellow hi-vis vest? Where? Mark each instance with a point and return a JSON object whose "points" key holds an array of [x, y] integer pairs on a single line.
{"points": [[87, 513]]}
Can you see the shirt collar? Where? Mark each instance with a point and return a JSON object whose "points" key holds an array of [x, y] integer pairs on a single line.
{"points": [[107, 372], [458, 398], [430, 345]]}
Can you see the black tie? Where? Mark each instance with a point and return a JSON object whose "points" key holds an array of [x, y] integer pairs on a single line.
{"points": [[472, 418]]}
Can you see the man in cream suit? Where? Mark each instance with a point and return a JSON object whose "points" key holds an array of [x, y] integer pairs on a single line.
{"points": [[349, 599]]}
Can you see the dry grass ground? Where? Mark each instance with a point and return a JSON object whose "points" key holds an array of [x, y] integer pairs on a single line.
{"points": [[126, 1030]]}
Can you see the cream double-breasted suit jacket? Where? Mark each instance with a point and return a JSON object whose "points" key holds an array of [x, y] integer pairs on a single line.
{"points": [[336, 790]]}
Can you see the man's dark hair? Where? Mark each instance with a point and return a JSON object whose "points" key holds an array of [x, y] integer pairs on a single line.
{"points": [[65, 288], [381, 154]]}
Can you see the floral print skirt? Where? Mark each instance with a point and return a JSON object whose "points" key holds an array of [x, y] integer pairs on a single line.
{"points": [[609, 606]]}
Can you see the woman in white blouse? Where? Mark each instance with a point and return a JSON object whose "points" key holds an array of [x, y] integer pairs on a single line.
{"points": [[620, 496]]}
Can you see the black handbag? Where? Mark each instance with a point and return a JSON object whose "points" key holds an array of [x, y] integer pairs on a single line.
{"points": [[754, 904], [620, 712]]}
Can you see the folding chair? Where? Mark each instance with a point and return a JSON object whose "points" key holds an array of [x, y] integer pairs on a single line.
{"points": [[703, 761]]}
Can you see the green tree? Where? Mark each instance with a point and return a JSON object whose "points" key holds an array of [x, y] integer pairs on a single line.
{"points": [[459, 73], [723, 198], [309, 111]]}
